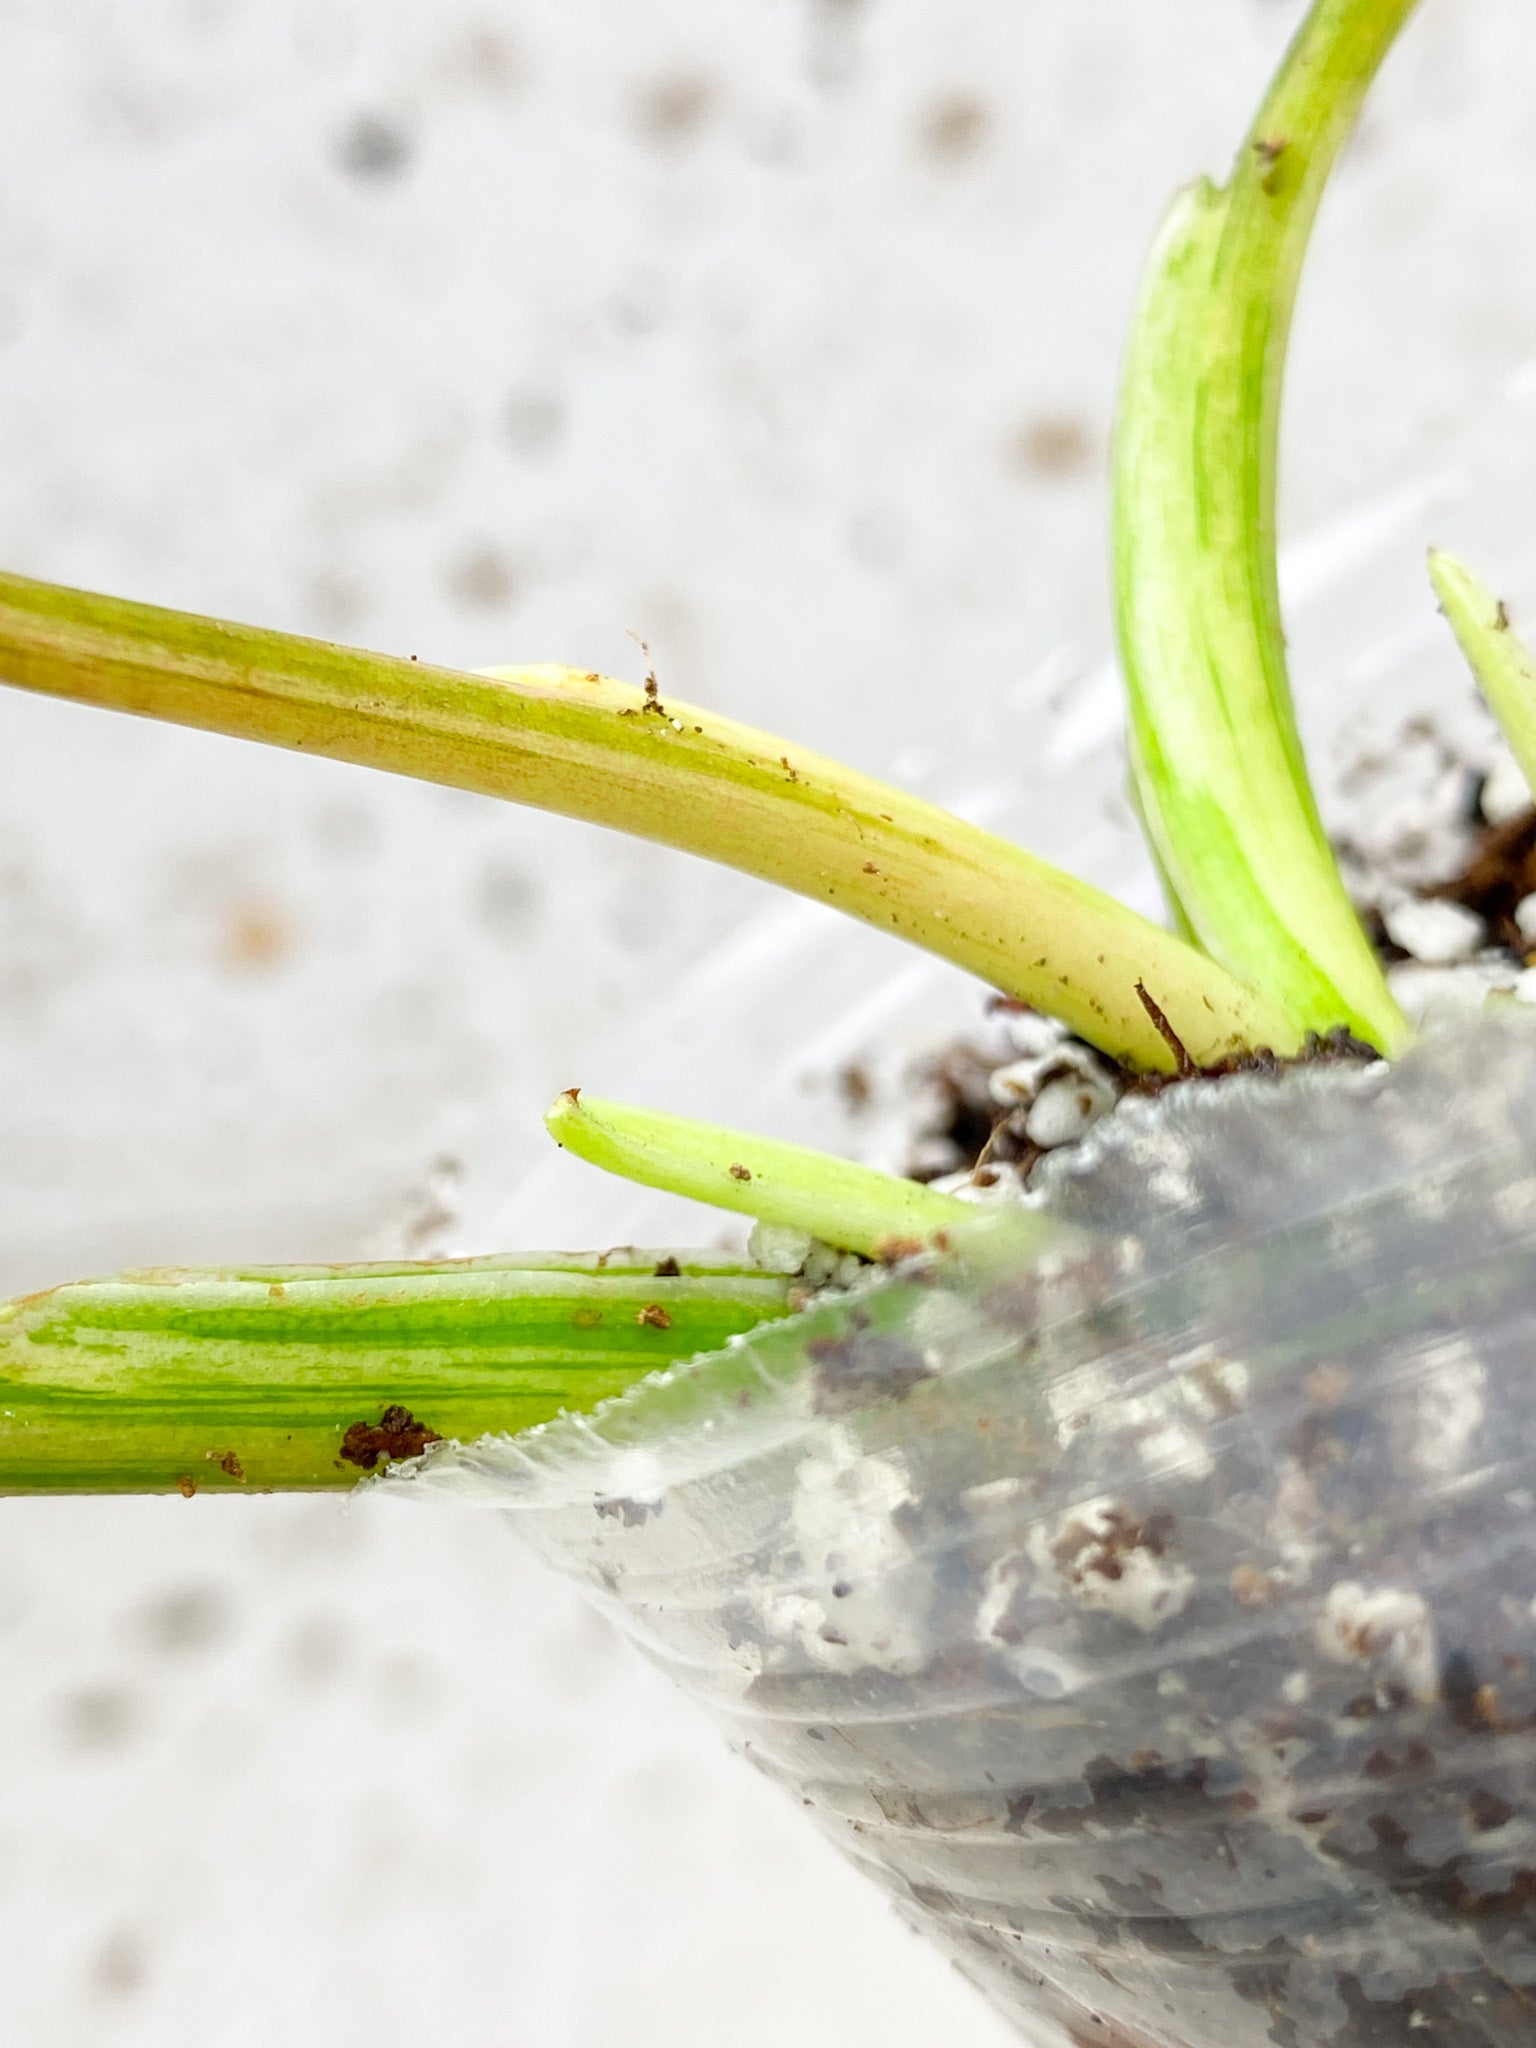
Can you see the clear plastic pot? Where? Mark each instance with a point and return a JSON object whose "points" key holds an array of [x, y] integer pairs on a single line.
{"points": [[1152, 1619]]}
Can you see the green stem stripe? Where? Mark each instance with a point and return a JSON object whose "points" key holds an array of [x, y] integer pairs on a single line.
{"points": [[856, 1208], [1505, 671], [1222, 783], [298, 1378], [591, 748]]}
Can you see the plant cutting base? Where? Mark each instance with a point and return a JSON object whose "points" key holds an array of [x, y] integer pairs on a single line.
{"points": [[1153, 1621]]}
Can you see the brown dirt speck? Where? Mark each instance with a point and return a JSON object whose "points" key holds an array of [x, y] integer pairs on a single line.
{"points": [[1270, 151], [894, 1251], [1499, 873], [1102, 1548], [653, 1317], [396, 1434], [186, 1485], [652, 701], [739, 1172], [668, 1268]]}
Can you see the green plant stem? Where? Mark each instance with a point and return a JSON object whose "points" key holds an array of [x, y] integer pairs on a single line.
{"points": [[242, 1382], [1216, 755], [592, 748], [853, 1207], [1505, 671]]}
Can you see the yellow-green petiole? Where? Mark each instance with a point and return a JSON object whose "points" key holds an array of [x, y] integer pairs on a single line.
{"points": [[1221, 783], [581, 744]]}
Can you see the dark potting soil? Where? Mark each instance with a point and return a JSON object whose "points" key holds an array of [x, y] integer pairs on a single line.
{"points": [[966, 1133], [1156, 1621]]}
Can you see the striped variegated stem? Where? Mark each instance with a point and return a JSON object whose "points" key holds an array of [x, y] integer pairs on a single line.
{"points": [[306, 1377]]}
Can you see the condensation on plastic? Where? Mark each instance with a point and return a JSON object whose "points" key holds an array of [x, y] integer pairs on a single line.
{"points": [[1152, 1619]]}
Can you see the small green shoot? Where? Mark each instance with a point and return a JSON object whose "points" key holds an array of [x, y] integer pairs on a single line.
{"points": [[853, 1207], [1222, 785], [1505, 672]]}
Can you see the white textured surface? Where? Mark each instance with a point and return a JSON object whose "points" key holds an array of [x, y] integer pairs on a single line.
{"points": [[783, 331]]}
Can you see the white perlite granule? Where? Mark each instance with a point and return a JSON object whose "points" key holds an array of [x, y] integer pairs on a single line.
{"points": [[1385, 1626], [1436, 933], [1102, 1557], [1505, 790], [1428, 994], [851, 1606]]}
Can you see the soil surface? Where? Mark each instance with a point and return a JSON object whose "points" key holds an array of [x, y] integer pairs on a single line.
{"points": [[978, 1133]]}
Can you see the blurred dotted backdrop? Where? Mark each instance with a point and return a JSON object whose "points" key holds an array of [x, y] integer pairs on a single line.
{"points": [[782, 333]]}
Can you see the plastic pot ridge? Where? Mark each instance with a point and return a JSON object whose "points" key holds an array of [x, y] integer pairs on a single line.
{"points": [[1153, 1621]]}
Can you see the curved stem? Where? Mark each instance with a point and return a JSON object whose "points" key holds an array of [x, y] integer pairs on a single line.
{"points": [[301, 1378], [1218, 763], [591, 748], [855, 1208], [1505, 671]]}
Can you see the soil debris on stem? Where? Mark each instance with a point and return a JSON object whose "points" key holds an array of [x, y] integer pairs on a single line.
{"points": [[396, 1434]]}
